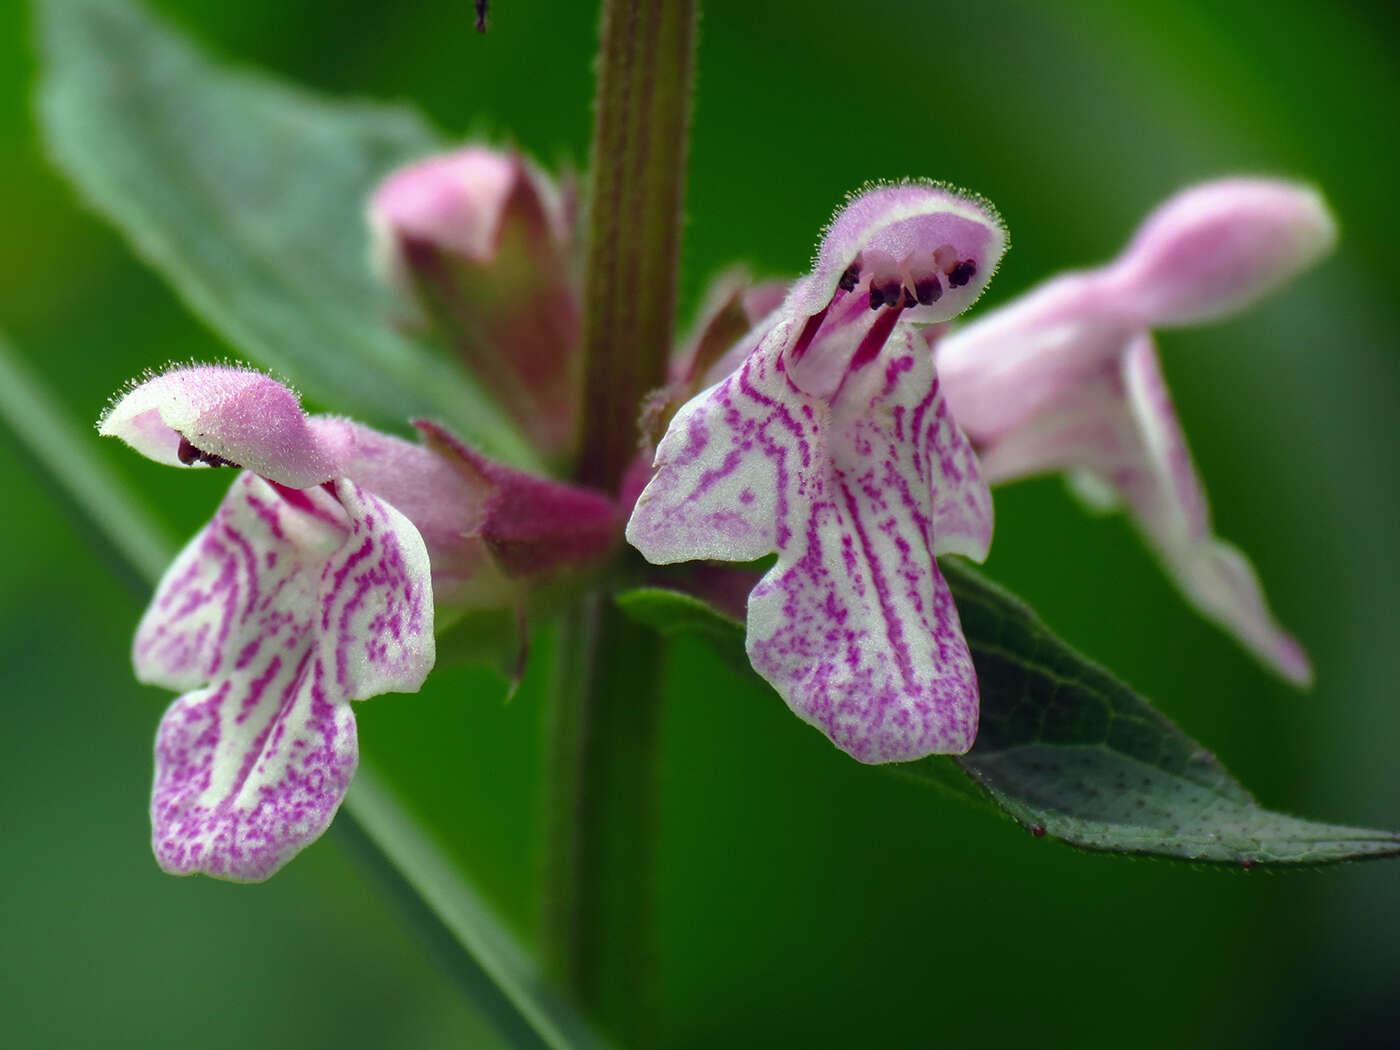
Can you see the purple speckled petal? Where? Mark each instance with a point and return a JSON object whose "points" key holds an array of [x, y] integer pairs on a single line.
{"points": [[285, 607], [853, 626], [831, 444], [908, 223], [242, 417], [723, 467]]}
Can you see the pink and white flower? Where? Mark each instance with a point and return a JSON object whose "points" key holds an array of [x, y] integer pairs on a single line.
{"points": [[1066, 378], [831, 445], [312, 586]]}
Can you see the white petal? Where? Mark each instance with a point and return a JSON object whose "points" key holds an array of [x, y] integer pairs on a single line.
{"points": [[288, 605], [854, 626]]}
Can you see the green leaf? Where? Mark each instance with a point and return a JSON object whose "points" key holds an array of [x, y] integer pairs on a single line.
{"points": [[501, 976], [1071, 752], [671, 613], [248, 195]]}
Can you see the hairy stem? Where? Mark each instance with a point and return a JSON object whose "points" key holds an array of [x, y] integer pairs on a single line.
{"points": [[636, 189], [600, 857], [600, 854]]}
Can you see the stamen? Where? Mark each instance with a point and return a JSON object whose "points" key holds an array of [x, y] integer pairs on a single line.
{"points": [[962, 273], [808, 333], [928, 289], [945, 257], [188, 454], [885, 292], [850, 278]]}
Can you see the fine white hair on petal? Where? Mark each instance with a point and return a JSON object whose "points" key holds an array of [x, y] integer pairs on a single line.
{"points": [[221, 414], [900, 220]]}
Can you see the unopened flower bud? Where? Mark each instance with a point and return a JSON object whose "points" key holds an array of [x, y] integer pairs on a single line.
{"points": [[478, 240]]}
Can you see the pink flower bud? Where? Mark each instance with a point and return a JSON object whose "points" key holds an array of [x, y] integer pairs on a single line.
{"points": [[460, 202], [479, 242]]}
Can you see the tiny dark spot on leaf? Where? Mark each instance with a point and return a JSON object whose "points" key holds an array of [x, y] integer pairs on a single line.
{"points": [[1038, 830]]}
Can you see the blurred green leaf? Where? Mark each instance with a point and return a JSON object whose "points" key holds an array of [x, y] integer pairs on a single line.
{"points": [[1070, 751], [504, 979], [249, 196]]}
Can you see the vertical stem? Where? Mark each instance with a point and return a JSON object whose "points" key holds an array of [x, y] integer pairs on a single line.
{"points": [[637, 185], [600, 855], [601, 852]]}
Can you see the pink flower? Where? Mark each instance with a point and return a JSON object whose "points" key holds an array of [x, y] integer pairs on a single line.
{"points": [[312, 586], [831, 445], [1066, 378]]}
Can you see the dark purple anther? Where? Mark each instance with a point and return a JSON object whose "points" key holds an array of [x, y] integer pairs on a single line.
{"points": [[850, 278], [887, 293], [188, 454], [928, 289], [481, 15], [962, 273]]}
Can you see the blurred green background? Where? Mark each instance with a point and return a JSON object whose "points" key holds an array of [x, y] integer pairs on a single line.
{"points": [[805, 901]]}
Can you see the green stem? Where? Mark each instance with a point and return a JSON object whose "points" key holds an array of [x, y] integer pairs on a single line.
{"points": [[600, 852], [599, 939], [636, 191]]}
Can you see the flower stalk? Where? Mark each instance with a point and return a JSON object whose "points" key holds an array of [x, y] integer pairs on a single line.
{"points": [[600, 858], [601, 825], [636, 188]]}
